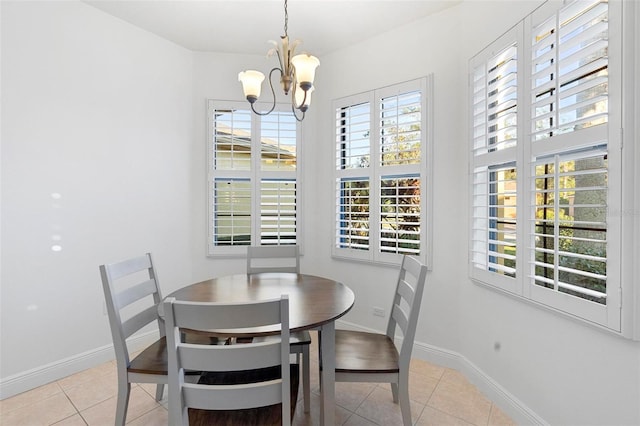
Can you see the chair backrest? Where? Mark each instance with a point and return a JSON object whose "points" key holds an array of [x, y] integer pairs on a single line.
{"points": [[406, 304], [132, 296], [226, 358], [273, 259]]}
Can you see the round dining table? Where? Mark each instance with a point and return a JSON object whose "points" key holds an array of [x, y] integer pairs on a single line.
{"points": [[314, 303]]}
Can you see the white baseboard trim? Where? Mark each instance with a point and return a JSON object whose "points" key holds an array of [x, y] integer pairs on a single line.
{"points": [[27, 380], [507, 402]]}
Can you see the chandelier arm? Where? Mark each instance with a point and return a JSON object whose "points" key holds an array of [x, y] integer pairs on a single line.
{"points": [[293, 99], [295, 114], [273, 93]]}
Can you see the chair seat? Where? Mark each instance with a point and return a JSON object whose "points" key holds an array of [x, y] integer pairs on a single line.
{"points": [[296, 339], [152, 360], [269, 415], [363, 352], [300, 338]]}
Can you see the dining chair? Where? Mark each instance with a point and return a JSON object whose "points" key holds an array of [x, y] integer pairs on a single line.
{"points": [[374, 357], [132, 295], [285, 258], [150, 366], [243, 384]]}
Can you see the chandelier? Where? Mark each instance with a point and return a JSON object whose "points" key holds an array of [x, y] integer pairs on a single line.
{"points": [[296, 75]]}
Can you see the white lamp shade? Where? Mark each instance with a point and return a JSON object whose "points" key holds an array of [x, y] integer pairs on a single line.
{"points": [[305, 66], [251, 82], [300, 96]]}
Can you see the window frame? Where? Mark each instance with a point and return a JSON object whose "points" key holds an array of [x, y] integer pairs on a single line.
{"points": [[528, 152], [255, 175], [375, 173]]}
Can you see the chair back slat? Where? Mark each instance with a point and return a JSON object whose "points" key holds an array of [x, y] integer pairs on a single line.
{"points": [[240, 357], [220, 316], [231, 397], [230, 357], [135, 293], [129, 266], [139, 320], [406, 291], [401, 319], [284, 258]]}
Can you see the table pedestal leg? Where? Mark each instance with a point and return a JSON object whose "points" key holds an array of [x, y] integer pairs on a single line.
{"points": [[328, 379]]}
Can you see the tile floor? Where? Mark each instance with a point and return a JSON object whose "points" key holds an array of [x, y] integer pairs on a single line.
{"points": [[439, 396]]}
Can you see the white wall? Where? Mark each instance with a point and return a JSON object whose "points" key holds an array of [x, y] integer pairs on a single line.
{"points": [[100, 113], [114, 120]]}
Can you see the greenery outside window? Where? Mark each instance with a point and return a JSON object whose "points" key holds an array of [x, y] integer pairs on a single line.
{"points": [[381, 184]]}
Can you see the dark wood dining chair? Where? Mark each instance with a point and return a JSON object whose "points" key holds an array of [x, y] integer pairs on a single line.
{"points": [[242, 384], [285, 258], [373, 357]]}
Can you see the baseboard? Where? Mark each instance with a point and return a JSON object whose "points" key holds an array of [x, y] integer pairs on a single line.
{"points": [[507, 402], [27, 380]]}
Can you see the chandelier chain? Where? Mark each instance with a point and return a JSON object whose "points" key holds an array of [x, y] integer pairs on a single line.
{"points": [[286, 18]]}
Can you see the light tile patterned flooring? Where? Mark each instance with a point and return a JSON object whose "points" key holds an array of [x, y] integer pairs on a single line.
{"points": [[439, 396]]}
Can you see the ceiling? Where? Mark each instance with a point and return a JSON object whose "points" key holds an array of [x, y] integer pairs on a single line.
{"points": [[245, 26]]}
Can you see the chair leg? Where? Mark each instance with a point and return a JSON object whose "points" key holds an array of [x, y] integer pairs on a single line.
{"points": [[405, 403], [394, 392], [124, 389], [159, 392], [306, 378]]}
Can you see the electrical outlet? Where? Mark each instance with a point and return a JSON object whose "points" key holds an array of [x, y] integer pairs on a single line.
{"points": [[378, 312]]}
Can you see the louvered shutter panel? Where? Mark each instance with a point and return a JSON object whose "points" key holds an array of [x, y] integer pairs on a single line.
{"points": [[232, 212], [232, 139], [353, 130], [278, 222], [400, 214], [278, 141], [571, 223], [352, 215], [494, 100], [400, 127], [570, 70]]}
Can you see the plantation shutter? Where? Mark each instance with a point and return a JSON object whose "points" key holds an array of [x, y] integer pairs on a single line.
{"points": [[253, 178], [400, 214], [495, 91], [232, 212], [570, 70], [352, 215], [494, 84], [232, 139], [400, 127], [278, 212]]}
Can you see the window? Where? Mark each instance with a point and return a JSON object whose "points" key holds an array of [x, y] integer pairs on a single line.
{"points": [[545, 161], [252, 178], [381, 182]]}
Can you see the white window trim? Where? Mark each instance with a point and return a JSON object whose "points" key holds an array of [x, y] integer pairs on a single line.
{"points": [[254, 174], [620, 313], [374, 173]]}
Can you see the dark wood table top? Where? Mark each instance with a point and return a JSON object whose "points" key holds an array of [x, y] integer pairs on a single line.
{"points": [[313, 301]]}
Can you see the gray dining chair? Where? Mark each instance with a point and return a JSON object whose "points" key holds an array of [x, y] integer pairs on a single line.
{"points": [[132, 295], [374, 357], [241, 384], [150, 366], [285, 258]]}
